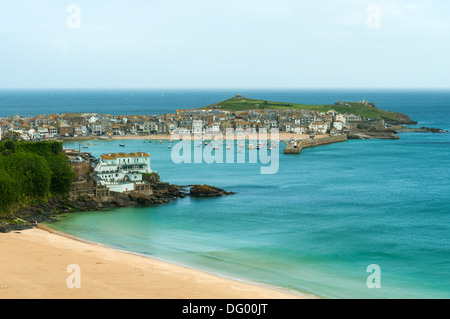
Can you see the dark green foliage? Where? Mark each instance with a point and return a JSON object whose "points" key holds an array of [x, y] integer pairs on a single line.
{"points": [[11, 146], [9, 191], [45, 149], [56, 148], [62, 174], [32, 171]]}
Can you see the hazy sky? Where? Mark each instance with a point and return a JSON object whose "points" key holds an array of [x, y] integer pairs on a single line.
{"points": [[225, 44]]}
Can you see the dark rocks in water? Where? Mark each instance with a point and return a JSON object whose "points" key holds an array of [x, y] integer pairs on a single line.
{"points": [[207, 191], [169, 191], [372, 135], [161, 186], [423, 129], [86, 203], [433, 130], [140, 199]]}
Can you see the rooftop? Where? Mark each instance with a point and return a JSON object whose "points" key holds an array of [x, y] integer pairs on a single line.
{"points": [[112, 156]]}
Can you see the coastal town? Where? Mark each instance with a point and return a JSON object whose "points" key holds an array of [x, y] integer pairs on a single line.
{"points": [[111, 174], [214, 120]]}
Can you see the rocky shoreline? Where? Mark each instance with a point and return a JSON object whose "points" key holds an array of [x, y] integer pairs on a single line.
{"points": [[374, 132], [423, 129], [372, 135], [30, 216]]}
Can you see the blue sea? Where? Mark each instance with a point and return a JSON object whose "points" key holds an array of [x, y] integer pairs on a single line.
{"points": [[315, 226]]}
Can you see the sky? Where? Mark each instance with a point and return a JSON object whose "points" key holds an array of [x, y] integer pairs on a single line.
{"points": [[210, 44]]}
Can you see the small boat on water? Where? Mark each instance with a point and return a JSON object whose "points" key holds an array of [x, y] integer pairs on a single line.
{"points": [[251, 147], [122, 144]]}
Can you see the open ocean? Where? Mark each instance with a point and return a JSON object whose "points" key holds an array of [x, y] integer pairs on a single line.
{"points": [[313, 227]]}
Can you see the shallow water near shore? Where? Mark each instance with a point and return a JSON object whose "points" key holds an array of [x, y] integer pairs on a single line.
{"points": [[313, 227]]}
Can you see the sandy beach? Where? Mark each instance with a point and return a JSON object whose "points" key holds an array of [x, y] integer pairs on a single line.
{"points": [[34, 264], [281, 136]]}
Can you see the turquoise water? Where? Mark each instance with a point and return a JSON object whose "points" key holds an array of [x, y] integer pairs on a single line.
{"points": [[313, 227]]}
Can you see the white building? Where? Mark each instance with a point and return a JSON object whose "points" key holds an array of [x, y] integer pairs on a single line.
{"points": [[120, 172], [92, 119], [298, 129], [338, 125], [52, 131], [213, 128], [43, 131], [347, 118], [97, 129], [318, 127], [197, 127]]}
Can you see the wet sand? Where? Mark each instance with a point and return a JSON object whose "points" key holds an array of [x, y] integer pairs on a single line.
{"points": [[34, 264]]}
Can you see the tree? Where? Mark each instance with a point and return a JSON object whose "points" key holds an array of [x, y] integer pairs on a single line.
{"points": [[9, 191], [56, 148], [31, 172], [62, 174], [10, 145]]}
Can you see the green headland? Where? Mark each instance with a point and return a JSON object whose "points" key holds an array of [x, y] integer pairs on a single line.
{"points": [[364, 109]]}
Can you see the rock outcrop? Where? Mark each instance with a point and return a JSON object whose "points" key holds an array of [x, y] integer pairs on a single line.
{"points": [[401, 119], [207, 191], [372, 135], [423, 129]]}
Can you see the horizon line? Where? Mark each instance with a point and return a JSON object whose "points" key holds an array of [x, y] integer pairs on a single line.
{"points": [[218, 88]]}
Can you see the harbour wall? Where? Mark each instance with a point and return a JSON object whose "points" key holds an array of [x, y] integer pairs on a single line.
{"points": [[296, 147]]}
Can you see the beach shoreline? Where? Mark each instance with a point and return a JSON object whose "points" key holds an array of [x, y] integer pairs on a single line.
{"points": [[35, 261], [166, 137]]}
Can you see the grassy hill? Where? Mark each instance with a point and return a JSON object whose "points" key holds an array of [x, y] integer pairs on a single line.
{"points": [[357, 108]]}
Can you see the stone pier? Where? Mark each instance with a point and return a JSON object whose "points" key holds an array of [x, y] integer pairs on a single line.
{"points": [[296, 147]]}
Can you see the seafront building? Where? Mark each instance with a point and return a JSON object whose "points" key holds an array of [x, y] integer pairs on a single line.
{"points": [[122, 172]]}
